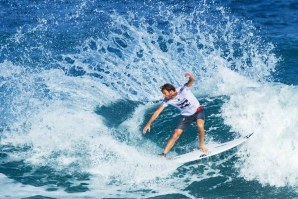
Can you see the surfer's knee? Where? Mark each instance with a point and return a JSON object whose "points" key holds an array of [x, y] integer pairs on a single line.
{"points": [[177, 134], [175, 137], [200, 124], [201, 127]]}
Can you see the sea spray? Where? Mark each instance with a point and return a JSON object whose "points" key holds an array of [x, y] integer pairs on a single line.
{"points": [[69, 65]]}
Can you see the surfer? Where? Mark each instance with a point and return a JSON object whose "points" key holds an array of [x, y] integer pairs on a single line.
{"points": [[191, 111]]}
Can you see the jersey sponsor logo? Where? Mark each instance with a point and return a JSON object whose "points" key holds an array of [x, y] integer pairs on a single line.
{"points": [[183, 104]]}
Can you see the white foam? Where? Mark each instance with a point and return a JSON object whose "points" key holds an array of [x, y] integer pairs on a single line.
{"points": [[78, 140], [83, 92], [64, 132], [224, 81], [14, 70], [270, 111]]}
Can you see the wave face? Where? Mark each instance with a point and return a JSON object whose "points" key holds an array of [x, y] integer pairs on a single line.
{"points": [[79, 80]]}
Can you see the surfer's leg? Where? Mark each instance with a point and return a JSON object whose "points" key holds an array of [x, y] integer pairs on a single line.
{"points": [[182, 125], [201, 132], [172, 140], [200, 120]]}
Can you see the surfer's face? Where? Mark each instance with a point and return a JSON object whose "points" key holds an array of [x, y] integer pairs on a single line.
{"points": [[169, 94]]}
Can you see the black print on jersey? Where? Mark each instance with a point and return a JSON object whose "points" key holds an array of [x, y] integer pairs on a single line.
{"points": [[184, 104]]}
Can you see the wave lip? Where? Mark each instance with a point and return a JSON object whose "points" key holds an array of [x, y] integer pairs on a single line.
{"points": [[270, 111]]}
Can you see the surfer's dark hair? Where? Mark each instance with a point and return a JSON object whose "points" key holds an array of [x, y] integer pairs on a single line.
{"points": [[168, 87]]}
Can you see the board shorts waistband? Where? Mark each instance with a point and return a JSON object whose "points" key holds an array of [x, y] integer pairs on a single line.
{"points": [[200, 108]]}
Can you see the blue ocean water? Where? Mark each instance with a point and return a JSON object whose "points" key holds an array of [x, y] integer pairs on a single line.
{"points": [[79, 80]]}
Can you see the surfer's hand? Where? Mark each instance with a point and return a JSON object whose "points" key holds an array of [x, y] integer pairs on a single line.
{"points": [[146, 128], [188, 75], [191, 79], [203, 148]]}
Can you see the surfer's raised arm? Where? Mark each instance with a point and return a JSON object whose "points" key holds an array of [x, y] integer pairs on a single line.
{"points": [[191, 79], [153, 117]]}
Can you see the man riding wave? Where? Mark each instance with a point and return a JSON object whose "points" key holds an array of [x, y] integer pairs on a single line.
{"points": [[190, 108]]}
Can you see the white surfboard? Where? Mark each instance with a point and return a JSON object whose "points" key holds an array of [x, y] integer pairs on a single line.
{"points": [[213, 149]]}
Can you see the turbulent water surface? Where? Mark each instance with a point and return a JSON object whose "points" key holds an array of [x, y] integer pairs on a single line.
{"points": [[79, 80]]}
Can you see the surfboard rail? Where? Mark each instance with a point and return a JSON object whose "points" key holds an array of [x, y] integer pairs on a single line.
{"points": [[213, 149]]}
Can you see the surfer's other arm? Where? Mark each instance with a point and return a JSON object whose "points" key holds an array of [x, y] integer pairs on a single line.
{"points": [[153, 117], [191, 79]]}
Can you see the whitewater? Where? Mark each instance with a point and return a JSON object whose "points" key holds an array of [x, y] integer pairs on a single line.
{"points": [[79, 81]]}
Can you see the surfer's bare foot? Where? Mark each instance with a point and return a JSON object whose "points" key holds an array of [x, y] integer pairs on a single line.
{"points": [[203, 148]]}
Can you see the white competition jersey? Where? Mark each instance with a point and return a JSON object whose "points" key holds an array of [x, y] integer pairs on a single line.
{"points": [[185, 101]]}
